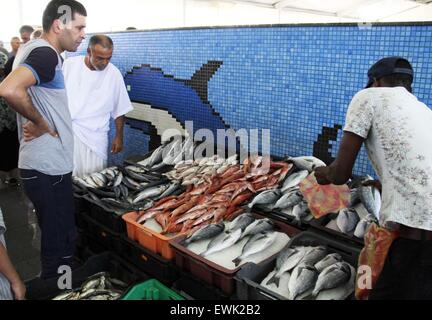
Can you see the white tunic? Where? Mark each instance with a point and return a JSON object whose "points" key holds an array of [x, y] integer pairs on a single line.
{"points": [[94, 97], [398, 131]]}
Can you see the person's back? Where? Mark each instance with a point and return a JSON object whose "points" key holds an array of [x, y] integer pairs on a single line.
{"points": [[397, 128]]}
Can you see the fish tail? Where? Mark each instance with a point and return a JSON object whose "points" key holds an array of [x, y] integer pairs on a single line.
{"points": [[297, 222], [237, 261], [274, 279]]}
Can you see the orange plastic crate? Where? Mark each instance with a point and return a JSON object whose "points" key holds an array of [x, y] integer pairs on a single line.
{"points": [[148, 238]]}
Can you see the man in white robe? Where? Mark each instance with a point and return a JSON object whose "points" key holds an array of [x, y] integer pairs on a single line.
{"points": [[96, 93]]}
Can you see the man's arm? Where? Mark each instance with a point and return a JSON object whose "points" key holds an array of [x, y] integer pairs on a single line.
{"points": [[7, 269], [340, 170], [14, 90], [117, 145]]}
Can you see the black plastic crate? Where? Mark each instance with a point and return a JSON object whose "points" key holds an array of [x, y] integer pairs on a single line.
{"points": [[87, 246], [320, 225], [249, 278], [38, 289], [162, 269], [100, 238], [212, 273], [80, 202], [112, 220], [80, 220], [82, 208], [197, 289]]}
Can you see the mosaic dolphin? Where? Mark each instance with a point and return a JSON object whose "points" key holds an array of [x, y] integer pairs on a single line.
{"points": [[167, 102]]}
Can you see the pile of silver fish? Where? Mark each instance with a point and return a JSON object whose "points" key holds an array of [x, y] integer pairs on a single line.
{"points": [[214, 200], [259, 232], [98, 287], [121, 189], [363, 210], [365, 201], [311, 270], [170, 153], [287, 199]]}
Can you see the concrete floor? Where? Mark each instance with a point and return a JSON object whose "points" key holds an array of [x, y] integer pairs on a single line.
{"points": [[23, 234]]}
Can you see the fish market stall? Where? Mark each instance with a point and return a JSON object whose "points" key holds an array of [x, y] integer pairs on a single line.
{"points": [[216, 222]]}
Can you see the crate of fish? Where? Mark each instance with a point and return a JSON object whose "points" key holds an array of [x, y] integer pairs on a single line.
{"points": [[286, 203], [109, 211], [312, 266], [109, 218], [350, 224], [100, 237], [103, 277], [194, 288], [116, 190], [216, 252], [148, 261], [80, 202], [216, 190], [147, 237], [151, 290]]}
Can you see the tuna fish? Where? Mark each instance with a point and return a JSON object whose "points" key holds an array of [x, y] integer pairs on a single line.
{"points": [[294, 180], [209, 231], [286, 261], [257, 243], [288, 200], [258, 226], [303, 278], [241, 222], [362, 226], [371, 199], [265, 197], [314, 255], [221, 244], [332, 277], [347, 220], [308, 163], [300, 212], [330, 259]]}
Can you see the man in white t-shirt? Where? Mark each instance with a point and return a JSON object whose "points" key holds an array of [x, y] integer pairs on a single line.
{"points": [[397, 131], [96, 92]]}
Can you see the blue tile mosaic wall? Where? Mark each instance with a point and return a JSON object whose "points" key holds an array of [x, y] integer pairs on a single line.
{"points": [[136, 142], [294, 80]]}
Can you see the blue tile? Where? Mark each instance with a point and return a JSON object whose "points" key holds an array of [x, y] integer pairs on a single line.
{"points": [[293, 80]]}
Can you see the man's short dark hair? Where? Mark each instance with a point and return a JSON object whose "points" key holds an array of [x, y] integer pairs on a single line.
{"points": [[400, 79], [101, 39], [26, 29], [53, 13]]}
